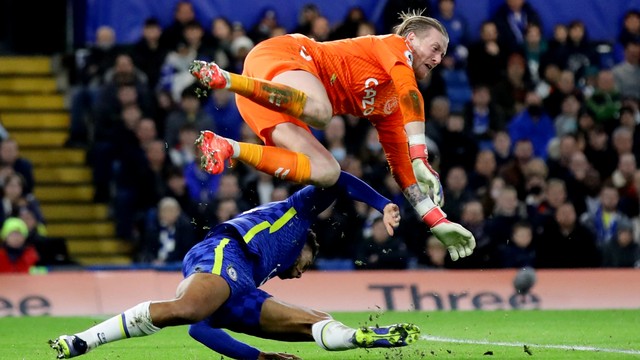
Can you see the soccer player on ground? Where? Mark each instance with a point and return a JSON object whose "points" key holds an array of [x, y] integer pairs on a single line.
{"points": [[291, 82], [222, 275]]}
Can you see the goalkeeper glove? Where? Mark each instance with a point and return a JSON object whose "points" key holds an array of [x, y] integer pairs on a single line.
{"points": [[428, 179], [458, 240]]}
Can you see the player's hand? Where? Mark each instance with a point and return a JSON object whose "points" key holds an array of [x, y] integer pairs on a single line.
{"points": [[277, 356], [428, 179], [458, 240], [391, 217]]}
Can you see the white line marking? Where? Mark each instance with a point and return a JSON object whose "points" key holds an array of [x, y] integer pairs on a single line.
{"points": [[533, 346]]}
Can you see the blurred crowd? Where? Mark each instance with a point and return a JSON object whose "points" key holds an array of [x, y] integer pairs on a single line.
{"points": [[534, 139]]}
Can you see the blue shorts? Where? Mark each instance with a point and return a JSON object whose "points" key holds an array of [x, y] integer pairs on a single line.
{"points": [[240, 313], [222, 255]]}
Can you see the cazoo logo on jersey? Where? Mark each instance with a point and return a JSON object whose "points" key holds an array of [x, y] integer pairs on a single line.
{"points": [[369, 98]]}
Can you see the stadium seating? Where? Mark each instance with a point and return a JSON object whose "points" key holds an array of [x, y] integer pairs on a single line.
{"points": [[34, 112]]}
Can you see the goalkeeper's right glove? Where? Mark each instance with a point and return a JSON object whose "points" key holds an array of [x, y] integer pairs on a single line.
{"points": [[458, 240], [428, 179]]}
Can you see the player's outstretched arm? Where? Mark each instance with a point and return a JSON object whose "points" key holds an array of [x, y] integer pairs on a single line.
{"points": [[317, 199], [221, 342]]}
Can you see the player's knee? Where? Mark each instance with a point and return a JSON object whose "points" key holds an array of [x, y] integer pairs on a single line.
{"points": [[188, 314], [319, 115], [325, 172]]}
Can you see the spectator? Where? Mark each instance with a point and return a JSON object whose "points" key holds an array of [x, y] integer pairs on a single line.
{"points": [[533, 124], [13, 199], [457, 28], [334, 135], [177, 189], [434, 254], [605, 101], [16, 256], [263, 28], [513, 171], [566, 243], [222, 108], [577, 188], [604, 218], [630, 31], [487, 57], [622, 250], [567, 121], [184, 152], [189, 112], [456, 193], [379, 251], [581, 54], [599, 152], [320, 29], [559, 165], [535, 47], [541, 214], [439, 113], [558, 51], [483, 171], [173, 34], [506, 212], [501, 146], [307, 15], [512, 19], [627, 73], [622, 177], [562, 88], [168, 234], [510, 92], [519, 252], [10, 157], [474, 220], [219, 41], [147, 54], [194, 38], [174, 73], [348, 28], [460, 147], [482, 117]]}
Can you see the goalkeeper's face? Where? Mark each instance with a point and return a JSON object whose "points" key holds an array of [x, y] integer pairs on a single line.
{"points": [[428, 49], [302, 264]]}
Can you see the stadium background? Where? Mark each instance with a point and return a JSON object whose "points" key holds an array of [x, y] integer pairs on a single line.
{"points": [[50, 34]]}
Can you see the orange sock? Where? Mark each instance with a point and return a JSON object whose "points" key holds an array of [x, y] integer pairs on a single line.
{"points": [[273, 96], [281, 163]]}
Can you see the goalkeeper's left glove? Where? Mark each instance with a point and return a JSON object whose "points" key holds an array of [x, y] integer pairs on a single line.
{"points": [[458, 240], [428, 179]]}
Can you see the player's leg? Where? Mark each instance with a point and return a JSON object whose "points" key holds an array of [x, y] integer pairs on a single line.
{"points": [[287, 322], [297, 155], [198, 296], [296, 93]]}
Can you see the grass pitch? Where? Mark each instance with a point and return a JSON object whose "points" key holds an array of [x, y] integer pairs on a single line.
{"points": [[608, 334]]}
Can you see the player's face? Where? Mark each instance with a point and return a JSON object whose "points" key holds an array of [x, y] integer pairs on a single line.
{"points": [[428, 50], [302, 264]]}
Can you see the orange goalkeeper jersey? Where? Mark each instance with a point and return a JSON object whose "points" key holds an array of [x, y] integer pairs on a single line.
{"points": [[357, 75]]}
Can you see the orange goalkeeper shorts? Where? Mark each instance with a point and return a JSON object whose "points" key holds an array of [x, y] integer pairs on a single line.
{"points": [[266, 60]]}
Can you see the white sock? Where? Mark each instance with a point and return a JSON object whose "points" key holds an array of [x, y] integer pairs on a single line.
{"points": [[131, 323], [235, 146], [333, 335]]}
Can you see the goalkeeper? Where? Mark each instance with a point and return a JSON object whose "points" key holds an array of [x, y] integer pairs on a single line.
{"points": [[291, 82], [222, 275]]}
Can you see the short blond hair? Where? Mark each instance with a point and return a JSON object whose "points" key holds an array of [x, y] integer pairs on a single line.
{"points": [[414, 21]]}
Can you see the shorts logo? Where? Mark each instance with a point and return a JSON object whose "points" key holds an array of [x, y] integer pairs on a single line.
{"points": [[233, 275]]}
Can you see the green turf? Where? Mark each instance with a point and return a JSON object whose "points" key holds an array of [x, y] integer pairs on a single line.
{"points": [[616, 330]]}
